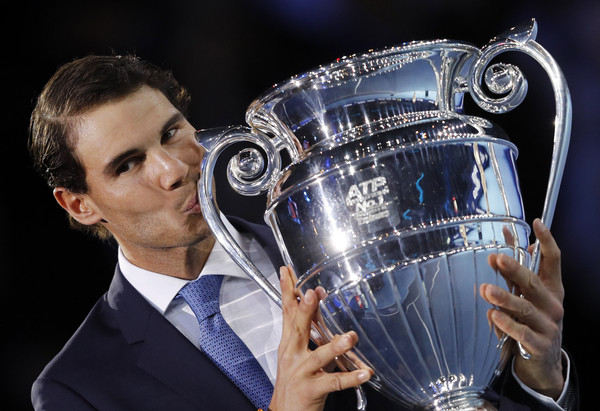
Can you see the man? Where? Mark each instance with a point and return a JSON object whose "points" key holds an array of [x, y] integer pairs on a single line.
{"points": [[110, 136]]}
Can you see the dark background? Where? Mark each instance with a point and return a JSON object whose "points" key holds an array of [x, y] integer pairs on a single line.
{"points": [[227, 53]]}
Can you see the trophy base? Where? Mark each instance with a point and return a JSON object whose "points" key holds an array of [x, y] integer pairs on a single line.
{"points": [[463, 400]]}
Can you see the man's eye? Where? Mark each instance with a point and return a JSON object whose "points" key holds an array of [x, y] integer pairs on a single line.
{"points": [[168, 135], [127, 166]]}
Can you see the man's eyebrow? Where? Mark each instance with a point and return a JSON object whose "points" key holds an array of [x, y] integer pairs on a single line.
{"points": [[175, 118], [116, 162]]}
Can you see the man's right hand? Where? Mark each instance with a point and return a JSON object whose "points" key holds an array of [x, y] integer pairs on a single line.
{"points": [[302, 382]]}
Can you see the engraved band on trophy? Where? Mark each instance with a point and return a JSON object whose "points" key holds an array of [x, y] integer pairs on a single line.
{"points": [[392, 201]]}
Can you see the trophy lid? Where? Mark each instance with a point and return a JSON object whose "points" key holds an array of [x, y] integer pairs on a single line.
{"points": [[413, 77]]}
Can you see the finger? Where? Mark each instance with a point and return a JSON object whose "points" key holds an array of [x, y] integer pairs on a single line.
{"points": [[493, 262], [497, 331], [330, 382], [534, 343], [325, 354], [303, 319], [524, 280], [321, 295], [517, 307], [508, 237], [287, 288], [297, 316], [545, 299], [550, 253], [289, 303], [523, 310], [514, 272], [356, 360], [545, 294]]}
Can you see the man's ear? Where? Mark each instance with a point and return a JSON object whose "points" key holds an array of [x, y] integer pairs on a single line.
{"points": [[77, 205]]}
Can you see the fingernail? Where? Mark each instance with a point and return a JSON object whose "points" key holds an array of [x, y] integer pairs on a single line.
{"points": [[497, 316], [539, 226], [505, 260], [494, 291], [500, 259], [321, 293], [309, 296], [345, 341], [364, 376]]}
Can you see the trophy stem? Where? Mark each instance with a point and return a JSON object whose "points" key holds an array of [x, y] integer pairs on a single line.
{"points": [[463, 400]]}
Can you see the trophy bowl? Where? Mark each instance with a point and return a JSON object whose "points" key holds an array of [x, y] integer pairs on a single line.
{"points": [[393, 200]]}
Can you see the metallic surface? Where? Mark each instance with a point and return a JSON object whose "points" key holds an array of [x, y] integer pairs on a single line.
{"points": [[393, 200]]}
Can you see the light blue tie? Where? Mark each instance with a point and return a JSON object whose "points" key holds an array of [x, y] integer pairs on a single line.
{"points": [[222, 345]]}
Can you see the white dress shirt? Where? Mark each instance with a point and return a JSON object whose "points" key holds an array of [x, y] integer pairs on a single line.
{"points": [[547, 401], [247, 309]]}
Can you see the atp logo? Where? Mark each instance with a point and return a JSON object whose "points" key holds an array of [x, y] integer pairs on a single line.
{"points": [[367, 200]]}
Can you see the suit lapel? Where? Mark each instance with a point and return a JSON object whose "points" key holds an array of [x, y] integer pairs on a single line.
{"points": [[173, 359], [166, 354]]}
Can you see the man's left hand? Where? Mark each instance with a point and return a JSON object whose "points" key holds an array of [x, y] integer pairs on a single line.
{"points": [[535, 319]]}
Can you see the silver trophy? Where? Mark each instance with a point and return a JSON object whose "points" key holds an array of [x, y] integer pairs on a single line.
{"points": [[392, 200]]}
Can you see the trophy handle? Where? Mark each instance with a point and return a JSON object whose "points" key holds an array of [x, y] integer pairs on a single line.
{"points": [[505, 78], [242, 172]]}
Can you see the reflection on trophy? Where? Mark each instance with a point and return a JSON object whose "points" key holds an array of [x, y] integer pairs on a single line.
{"points": [[392, 202]]}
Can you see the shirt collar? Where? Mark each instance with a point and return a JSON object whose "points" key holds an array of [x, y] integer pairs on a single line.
{"points": [[160, 289]]}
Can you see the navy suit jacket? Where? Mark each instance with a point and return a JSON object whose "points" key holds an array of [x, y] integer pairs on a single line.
{"points": [[127, 356]]}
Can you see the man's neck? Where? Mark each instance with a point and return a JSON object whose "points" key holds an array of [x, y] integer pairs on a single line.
{"points": [[182, 262]]}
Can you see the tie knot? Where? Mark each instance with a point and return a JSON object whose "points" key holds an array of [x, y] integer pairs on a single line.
{"points": [[202, 295]]}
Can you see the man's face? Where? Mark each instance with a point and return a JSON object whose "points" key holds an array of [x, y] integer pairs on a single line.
{"points": [[142, 166]]}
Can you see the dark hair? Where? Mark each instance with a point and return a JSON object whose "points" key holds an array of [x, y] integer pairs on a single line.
{"points": [[76, 88]]}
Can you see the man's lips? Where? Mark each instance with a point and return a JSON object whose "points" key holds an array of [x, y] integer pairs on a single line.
{"points": [[193, 205]]}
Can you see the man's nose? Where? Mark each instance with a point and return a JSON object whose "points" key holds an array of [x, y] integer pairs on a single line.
{"points": [[169, 171]]}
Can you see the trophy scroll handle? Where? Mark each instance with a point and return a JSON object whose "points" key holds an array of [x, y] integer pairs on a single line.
{"points": [[508, 81], [248, 164], [247, 175]]}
